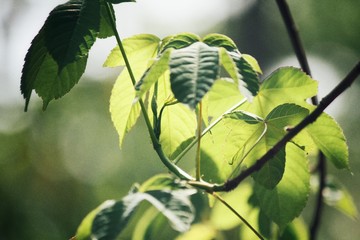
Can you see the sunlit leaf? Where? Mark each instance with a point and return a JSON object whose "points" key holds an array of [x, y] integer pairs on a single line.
{"points": [[193, 70], [224, 148], [178, 122], [285, 85], [286, 201], [330, 139], [140, 49], [253, 62], [123, 113], [223, 95], [152, 75]]}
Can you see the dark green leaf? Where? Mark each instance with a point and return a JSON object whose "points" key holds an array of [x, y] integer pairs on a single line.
{"points": [[105, 20], [193, 71], [272, 172], [219, 40], [71, 29], [119, 1], [58, 54], [249, 80], [179, 41]]}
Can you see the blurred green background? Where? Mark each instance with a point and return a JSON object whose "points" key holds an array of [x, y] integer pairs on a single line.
{"points": [[57, 165]]}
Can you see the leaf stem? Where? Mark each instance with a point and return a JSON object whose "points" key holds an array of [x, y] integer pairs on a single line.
{"points": [[199, 129], [217, 196], [206, 130], [326, 101], [171, 166]]}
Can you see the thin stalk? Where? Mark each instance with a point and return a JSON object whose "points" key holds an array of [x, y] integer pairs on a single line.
{"points": [[206, 130], [199, 128], [172, 167], [252, 147], [238, 215]]}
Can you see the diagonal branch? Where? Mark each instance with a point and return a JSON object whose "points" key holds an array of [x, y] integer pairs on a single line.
{"points": [[326, 101]]}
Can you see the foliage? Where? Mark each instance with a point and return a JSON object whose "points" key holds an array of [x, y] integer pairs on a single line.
{"points": [[194, 91]]}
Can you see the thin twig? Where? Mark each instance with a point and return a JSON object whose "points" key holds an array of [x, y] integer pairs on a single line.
{"points": [[301, 56], [326, 101], [319, 201]]}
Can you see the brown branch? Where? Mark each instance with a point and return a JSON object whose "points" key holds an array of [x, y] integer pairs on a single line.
{"points": [[301, 56], [326, 101]]}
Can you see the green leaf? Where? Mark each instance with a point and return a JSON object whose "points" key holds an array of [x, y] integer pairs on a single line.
{"points": [[152, 75], [178, 122], [175, 205], [285, 85], [225, 147], [286, 201], [218, 104], [249, 80], [178, 125], [123, 112], [241, 72], [272, 172], [220, 40], [278, 120], [105, 20], [85, 228], [330, 139], [140, 50], [58, 54], [71, 29], [179, 41], [296, 230], [253, 62], [336, 195], [193, 70]]}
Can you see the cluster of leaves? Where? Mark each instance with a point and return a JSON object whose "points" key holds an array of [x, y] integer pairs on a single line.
{"points": [[58, 54], [170, 78]]}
